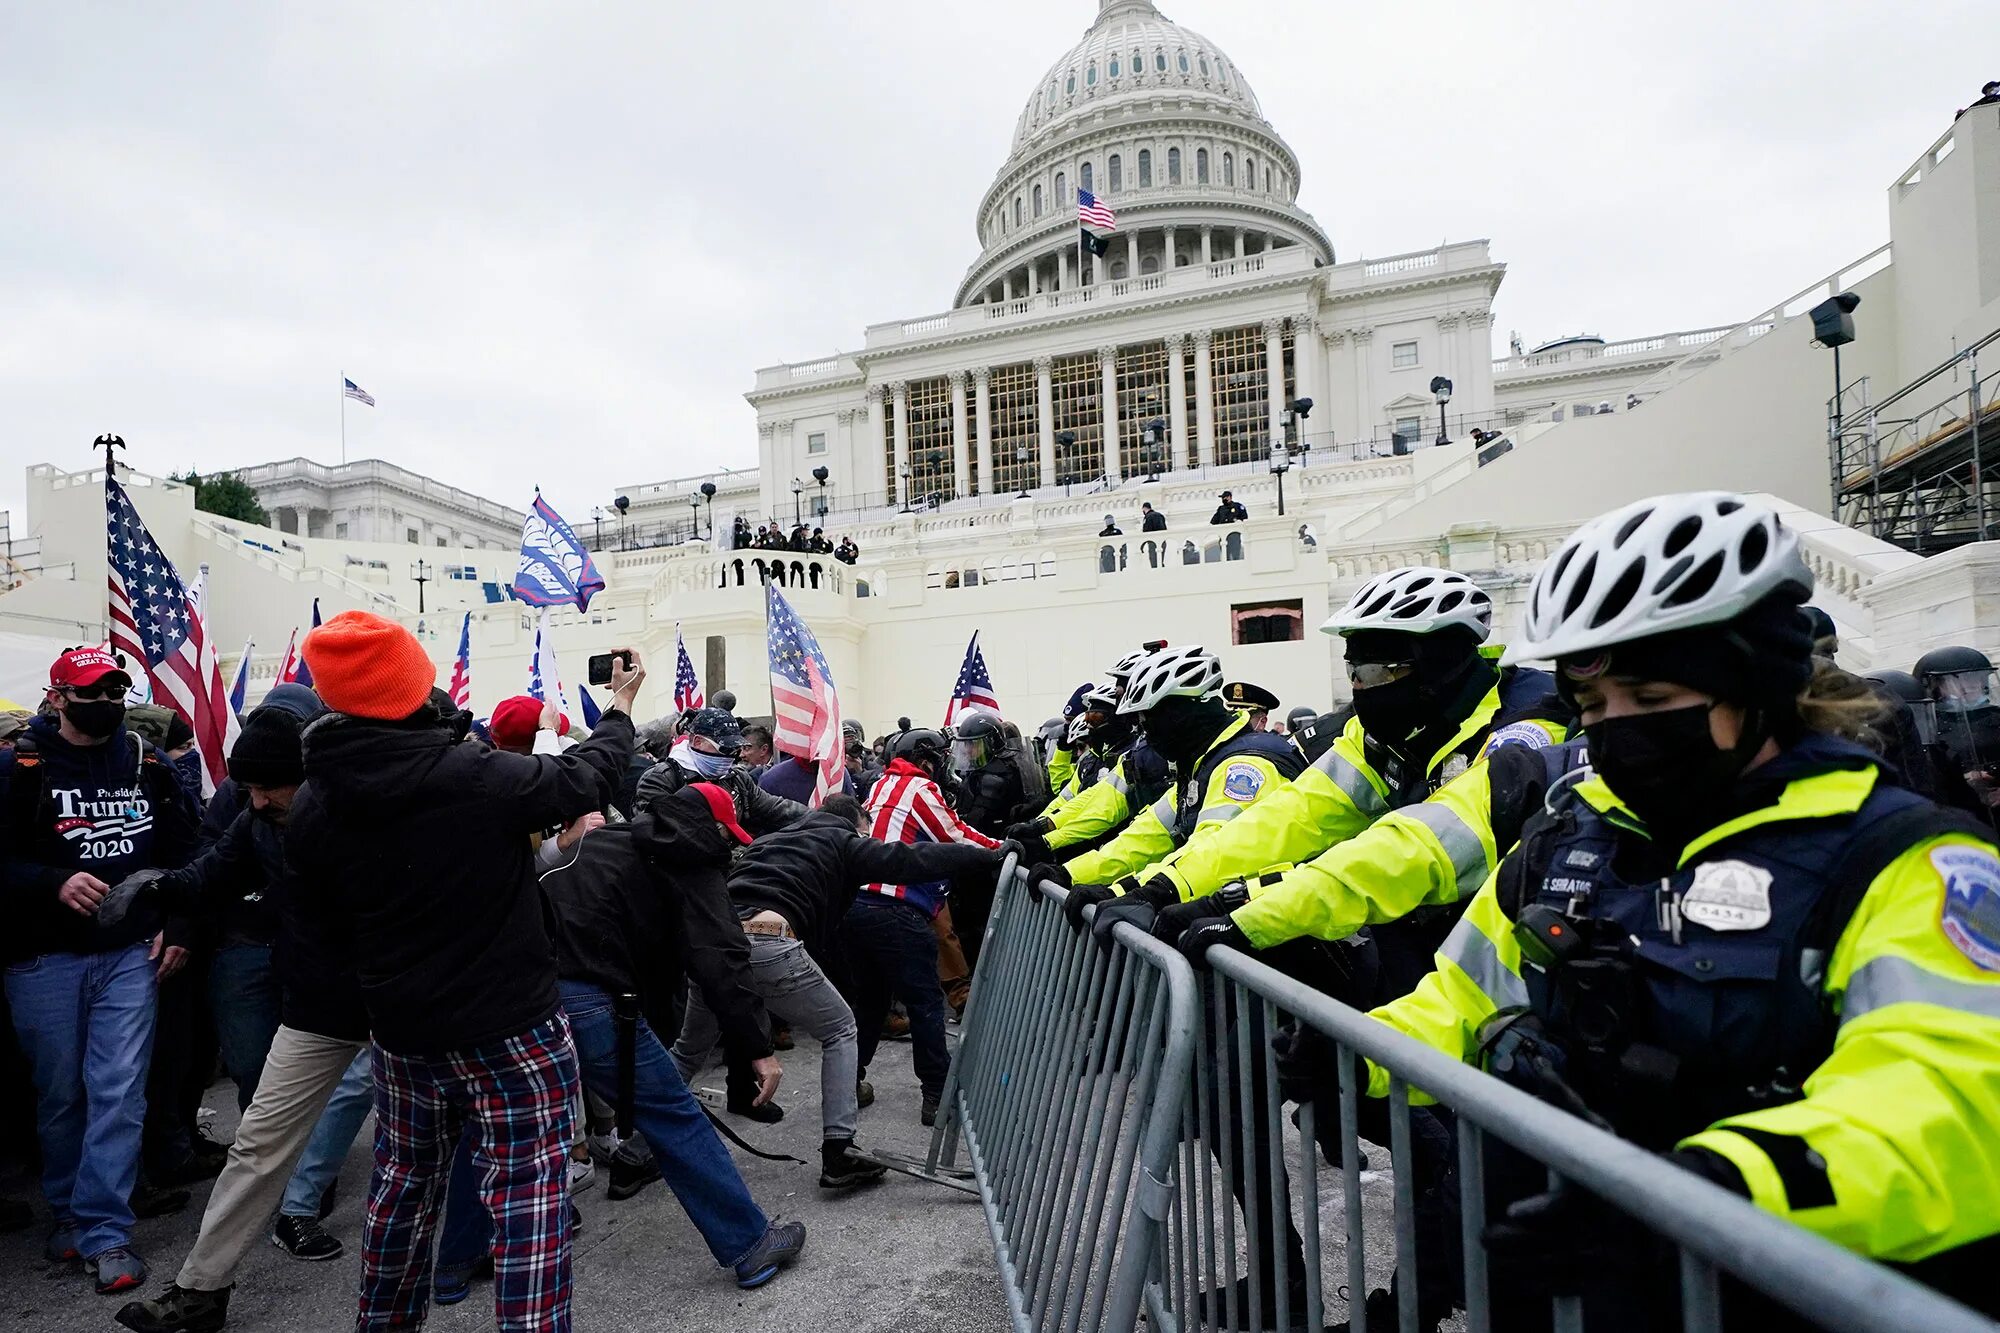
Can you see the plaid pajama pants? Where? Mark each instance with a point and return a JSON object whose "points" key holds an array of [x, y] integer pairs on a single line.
{"points": [[513, 1099]]}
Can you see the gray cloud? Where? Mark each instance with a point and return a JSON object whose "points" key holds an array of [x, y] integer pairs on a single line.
{"points": [[555, 241]]}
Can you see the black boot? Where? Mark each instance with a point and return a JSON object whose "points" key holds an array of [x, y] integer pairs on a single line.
{"points": [[178, 1310], [840, 1168]]}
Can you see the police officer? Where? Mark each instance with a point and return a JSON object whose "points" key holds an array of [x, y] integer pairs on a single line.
{"points": [[1299, 717], [1255, 700], [1742, 946], [1129, 774], [1959, 682], [1430, 698]]}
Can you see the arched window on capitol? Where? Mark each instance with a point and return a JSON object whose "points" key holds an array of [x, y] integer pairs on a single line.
{"points": [[1201, 166], [1173, 166], [1084, 177], [1228, 169], [1116, 173], [1145, 168], [1038, 197], [1062, 189], [1017, 210], [1249, 172]]}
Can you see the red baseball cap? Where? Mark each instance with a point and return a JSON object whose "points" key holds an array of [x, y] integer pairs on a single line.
{"points": [[86, 666], [515, 721], [723, 806]]}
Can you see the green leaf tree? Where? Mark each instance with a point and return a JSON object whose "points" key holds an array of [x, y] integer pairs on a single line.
{"points": [[226, 495]]}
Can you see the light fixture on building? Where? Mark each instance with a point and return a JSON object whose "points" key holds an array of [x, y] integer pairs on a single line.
{"points": [[1281, 463], [621, 504], [1833, 326], [694, 516], [1151, 436], [420, 574], [903, 473], [820, 475], [1296, 413], [798, 514], [1066, 457], [1441, 390], [708, 498], [1021, 469]]}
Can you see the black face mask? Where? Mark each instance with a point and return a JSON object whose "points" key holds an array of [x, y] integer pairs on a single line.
{"points": [[96, 718], [1665, 766], [1394, 712]]}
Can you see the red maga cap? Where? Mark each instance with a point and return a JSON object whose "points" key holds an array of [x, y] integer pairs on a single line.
{"points": [[87, 666]]}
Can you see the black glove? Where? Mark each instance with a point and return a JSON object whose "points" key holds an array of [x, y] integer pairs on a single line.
{"points": [[1177, 918], [1081, 897], [1309, 1065], [1048, 870], [1028, 828], [1008, 847], [127, 891], [1136, 903], [1034, 846], [1211, 931], [1567, 1242]]}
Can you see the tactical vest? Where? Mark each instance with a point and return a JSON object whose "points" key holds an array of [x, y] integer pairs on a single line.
{"points": [[1702, 995], [1524, 693], [1276, 750]]}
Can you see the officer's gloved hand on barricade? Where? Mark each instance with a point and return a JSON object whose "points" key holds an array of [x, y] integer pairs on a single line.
{"points": [[1137, 904], [1177, 918], [1033, 840], [1566, 1241], [1085, 896]]}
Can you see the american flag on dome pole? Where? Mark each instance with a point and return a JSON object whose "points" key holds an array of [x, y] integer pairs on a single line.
{"points": [[461, 669], [687, 686], [157, 623], [803, 702], [974, 688]]}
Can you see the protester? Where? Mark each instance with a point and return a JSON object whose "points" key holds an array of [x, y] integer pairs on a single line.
{"points": [[457, 970], [756, 754], [85, 803], [794, 777], [707, 752]]}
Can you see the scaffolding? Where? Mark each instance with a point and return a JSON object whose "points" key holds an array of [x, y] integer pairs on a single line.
{"points": [[1912, 468]]}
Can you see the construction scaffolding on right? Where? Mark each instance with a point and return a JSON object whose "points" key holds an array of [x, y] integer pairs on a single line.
{"points": [[1918, 468]]}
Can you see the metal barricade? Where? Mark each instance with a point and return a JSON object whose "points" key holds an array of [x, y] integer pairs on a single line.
{"points": [[1067, 1088], [1237, 1138]]}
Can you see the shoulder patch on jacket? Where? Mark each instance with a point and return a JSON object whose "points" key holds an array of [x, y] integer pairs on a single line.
{"points": [[1242, 782], [1971, 916], [1519, 733]]}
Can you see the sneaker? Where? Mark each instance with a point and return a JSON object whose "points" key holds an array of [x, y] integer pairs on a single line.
{"points": [[864, 1092], [781, 1244], [149, 1200], [61, 1248], [116, 1269], [603, 1147], [451, 1288], [178, 1310], [582, 1174], [770, 1113], [304, 1238], [841, 1168], [929, 1112], [629, 1177]]}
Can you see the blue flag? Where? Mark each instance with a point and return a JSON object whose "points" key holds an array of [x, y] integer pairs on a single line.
{"points": [[555, 568], [591, 712]]}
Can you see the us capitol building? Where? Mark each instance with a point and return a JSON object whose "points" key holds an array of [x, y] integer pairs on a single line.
{"points": [[1218, 341]]}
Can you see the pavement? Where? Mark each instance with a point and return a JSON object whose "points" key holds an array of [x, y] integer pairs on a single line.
{"points": [[901, 1256]]}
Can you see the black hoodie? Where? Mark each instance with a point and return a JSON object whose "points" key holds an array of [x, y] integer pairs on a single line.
{"points": [[107, 809], [420, 843]]}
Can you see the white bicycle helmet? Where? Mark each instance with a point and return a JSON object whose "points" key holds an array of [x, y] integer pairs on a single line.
{"points": [[1190, 672], [1672, 562], [1415, 600], [1121, 671]]}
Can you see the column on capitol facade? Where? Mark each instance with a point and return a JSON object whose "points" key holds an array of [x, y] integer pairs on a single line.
{"points": [[767, 466], [1308, 354], [961, 462], [1045, 417], [1167, 260], [1066, 280], [1365, 406], [864, 461], [1207, 245], [843, 435], [1274, 374], [901, 391], [982, 412], [1131, 254], [1107, 365], [1204, 394], [1177, 422]]}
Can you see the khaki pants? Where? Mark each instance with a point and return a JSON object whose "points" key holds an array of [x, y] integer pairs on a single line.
{"points": [[953, 974], [300, 1074]]}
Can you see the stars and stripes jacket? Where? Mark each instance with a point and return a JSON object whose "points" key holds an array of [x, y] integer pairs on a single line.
{"points": [[906, 806]]}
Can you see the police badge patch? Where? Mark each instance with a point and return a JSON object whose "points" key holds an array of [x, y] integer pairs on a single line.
{"points": [[1971, 915], [1729, 895], [1519, 733], [1242, 782]]}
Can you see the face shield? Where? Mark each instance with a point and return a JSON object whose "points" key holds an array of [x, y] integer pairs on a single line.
{"points": [[971, 752], [1962, 691]]}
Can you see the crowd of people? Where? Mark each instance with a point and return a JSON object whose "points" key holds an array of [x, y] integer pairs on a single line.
{"points": [[808, 540], [1692, 882]]}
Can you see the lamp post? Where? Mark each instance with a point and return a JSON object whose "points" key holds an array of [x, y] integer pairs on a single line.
{"points": [[621, 504], [597, 526], [1296, 413], [708, 499], [798, 514], [1021, 469], [903, 473], [1151, 434], [422, 574], [1281, 462], [694, 516], [1441, 390], [820, 476], [1066, 447]]}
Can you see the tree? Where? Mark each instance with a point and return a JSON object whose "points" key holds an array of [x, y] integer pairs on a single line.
{"points": [[226, 495]]}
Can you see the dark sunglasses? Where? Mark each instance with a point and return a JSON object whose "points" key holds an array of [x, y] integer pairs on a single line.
{"points": [[91, 693]]}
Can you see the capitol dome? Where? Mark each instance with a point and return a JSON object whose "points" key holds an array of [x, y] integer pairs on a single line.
{"points": [[1160, 124]]}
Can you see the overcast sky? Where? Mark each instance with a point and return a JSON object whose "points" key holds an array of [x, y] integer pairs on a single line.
{"points": [[555, 241]]}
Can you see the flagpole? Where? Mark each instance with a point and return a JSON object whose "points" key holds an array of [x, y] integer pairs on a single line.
{"points": [[343, 418]]}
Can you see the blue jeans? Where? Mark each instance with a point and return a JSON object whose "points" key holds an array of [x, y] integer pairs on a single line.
{"points": [[467, 1235], [86, 1026], [243, 993], [333, 1135], [692, 1159]]}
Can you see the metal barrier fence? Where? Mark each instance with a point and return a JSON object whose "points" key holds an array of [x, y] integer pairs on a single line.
{"points": [[1116, 1105]]}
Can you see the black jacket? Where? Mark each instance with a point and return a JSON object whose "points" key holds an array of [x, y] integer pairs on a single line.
{"points": [[989, 795], [810, 872], [644, 907], [757, 810], [1229, 511], [1154, 522], [245, 870], [421, 844], [108, 809]]}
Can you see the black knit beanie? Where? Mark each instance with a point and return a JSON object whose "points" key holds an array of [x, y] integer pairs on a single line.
{"points": [[268, 753]]}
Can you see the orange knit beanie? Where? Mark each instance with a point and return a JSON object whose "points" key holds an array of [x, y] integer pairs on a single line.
{"points": [[366, 666]]}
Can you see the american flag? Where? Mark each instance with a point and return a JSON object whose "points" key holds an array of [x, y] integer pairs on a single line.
{"points": [[292, 670], [803, 702], [687, 687], [154, 620], [357, 393], [974, 688], [461, 670], [1094, 212]]}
